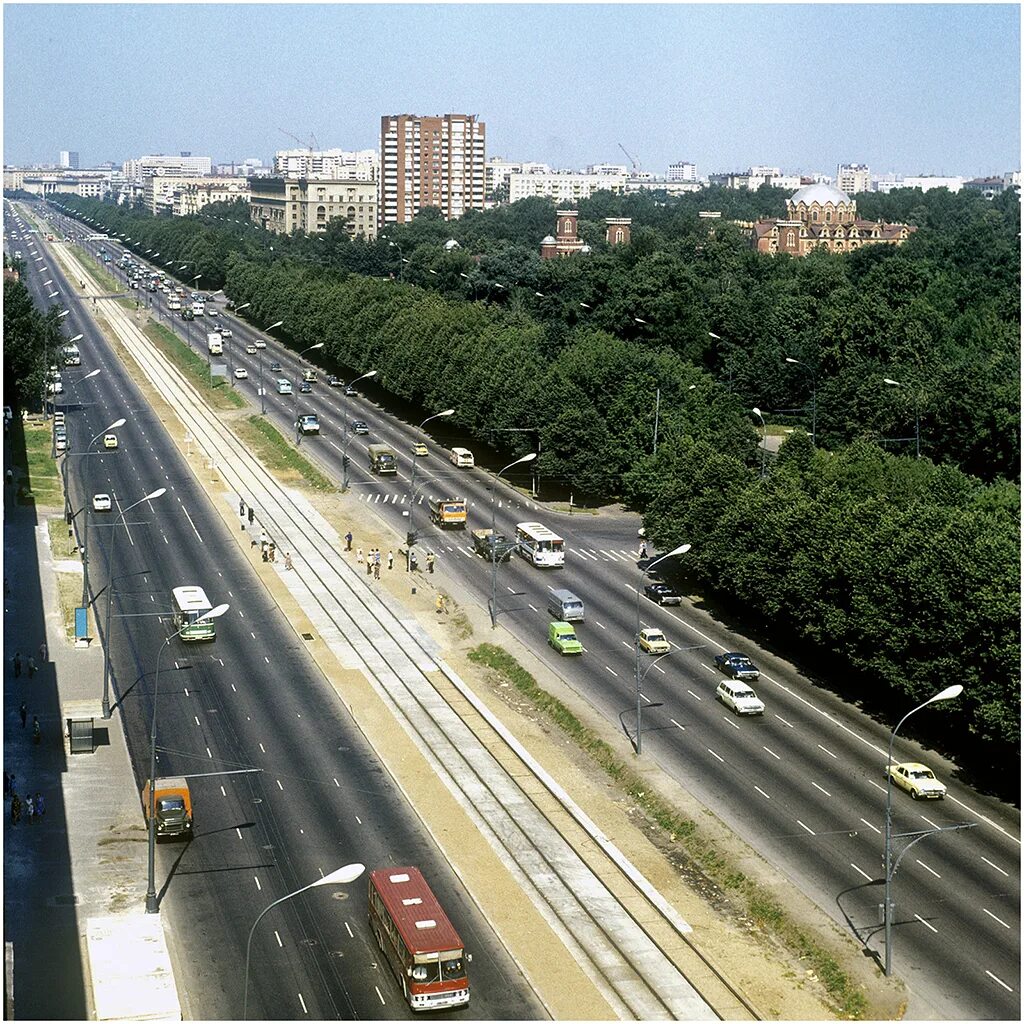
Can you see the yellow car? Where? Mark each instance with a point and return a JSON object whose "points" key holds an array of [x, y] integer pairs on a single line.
{"points": [[110, 440], [917, 779], [420, 449], [653, 641]]}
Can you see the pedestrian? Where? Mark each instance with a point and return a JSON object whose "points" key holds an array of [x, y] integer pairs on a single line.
{"points": [[9, 476], [288, 560], [43, 652], [23, 711], [376, 569], [37, 731], [17, 664], [241, 508], [29, 808], [430, 561], [439, 604], [359, 556], [250, 515], [643, 550], [40, 805], [272, 551], [15, 809], [369, 562], [31, 666], [348, 541], [376, 559], [263, 539], [263, 551], [391, 560], [7, 785]]}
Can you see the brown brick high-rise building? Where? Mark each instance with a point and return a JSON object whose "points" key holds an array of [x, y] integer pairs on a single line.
{"points": [[430, 161]]}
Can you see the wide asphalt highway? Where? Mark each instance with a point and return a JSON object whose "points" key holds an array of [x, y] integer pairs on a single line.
{"points": [[253, 699], [804, 785]]}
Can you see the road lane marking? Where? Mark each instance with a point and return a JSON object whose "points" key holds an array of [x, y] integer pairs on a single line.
{"points": [[762, 792], [926, 924], [349, 930], [713, 754], [999, 980], [278, 937], [279, 786], [783, 721], [303, 1001], [996, 866], [803, 826], [600, 625], [994, 918], [925, 866], [877, 831], [860, 872], [692, 694], [709, 668], [730, 721], [209, 754], [193, 525], [628, 647], [659, 669], [196, 720], [825, 791], [613, 672], [876, 785], [379, 996], [930, 822], [645, 697], [262, 749], [238, 832], [772, 752], [257, 880], [827, 751], [677, 725]]}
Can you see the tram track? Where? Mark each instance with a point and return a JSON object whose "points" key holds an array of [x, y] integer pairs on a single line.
{"points": [[633, 947]]}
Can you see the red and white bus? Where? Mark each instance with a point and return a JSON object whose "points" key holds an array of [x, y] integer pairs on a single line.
{"points": [[417, 939]]}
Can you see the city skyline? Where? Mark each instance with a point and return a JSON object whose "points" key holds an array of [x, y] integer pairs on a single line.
{"points": [[910, 89]]}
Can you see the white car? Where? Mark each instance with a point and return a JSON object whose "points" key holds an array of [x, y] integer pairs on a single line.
{"points": [[101, 503], [260, 343], [739, 698], [225, 331], [241, 373]]}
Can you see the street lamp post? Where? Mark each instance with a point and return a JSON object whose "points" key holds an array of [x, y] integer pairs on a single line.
{"points": [[947, 694], [263, 394], [528, 457], [401, 260], [917, 412], [110, 586], [348, 427], [681, 550], [152, 905], [342, 876], [410, 536], [814, 396], [72, 384], [764, 437], [295, 393], [231, 368]]}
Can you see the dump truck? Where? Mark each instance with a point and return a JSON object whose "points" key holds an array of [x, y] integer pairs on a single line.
{"points": [[448, 513], [173, 807], [495, 547]]}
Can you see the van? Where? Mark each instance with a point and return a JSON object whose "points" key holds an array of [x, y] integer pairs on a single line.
{"points": [[565, 605], [284, 387], [462, 457]]}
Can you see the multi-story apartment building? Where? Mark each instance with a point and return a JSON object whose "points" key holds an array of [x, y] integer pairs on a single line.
{"points": [[69, 159], [183, 166], [755, 177], [431, 161], [93, 184], [851, 178], [285, 205], [497, 171], [682, 170], [930, 181], [193, 194], [566, 187], [337, 164]]}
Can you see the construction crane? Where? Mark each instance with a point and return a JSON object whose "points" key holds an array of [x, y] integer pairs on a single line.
{"points": [[632, 159], [311, 146]]}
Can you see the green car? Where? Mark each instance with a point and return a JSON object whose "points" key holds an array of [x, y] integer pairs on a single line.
{"points": [[562, 637]]}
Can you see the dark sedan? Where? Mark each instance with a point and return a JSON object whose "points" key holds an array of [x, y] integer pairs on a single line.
{"points": [[737, 666], [662, 593]]}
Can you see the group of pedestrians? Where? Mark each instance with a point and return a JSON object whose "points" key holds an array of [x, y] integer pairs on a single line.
{"points": [[373, 560], [33, 807], [29, 663], [268, 548]]}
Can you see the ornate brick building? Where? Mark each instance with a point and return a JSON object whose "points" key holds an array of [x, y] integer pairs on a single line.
{"points": [[565, 240], [822, 216]]}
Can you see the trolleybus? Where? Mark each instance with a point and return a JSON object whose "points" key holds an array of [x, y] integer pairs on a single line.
{"points": [[189, 604], [539, 545], [417, 939]]}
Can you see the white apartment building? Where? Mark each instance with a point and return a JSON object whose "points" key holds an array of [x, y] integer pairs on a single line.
{"points": [[682, 170], [69, 159], [930, 181], [184, 166], [852, 178], [497, 171], [607, 169], [193, 194], [361, 165], [566, 187]]}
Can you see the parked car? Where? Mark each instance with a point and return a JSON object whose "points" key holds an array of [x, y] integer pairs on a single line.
{"points": [[110, 440], [737, 666], [359, 427], [101, 503], [241, 373], [250, 349], [653, 641], [662, 593], [562, 637], [739, 698], [917, 779]]}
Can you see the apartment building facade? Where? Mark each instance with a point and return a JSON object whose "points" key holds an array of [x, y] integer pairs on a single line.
{"points": [[431, 161], [564, 187], [284, 205], [852, 178], [336, 164]]}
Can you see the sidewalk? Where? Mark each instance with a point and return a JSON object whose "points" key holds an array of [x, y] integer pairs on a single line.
{"points": [[86, 857]]}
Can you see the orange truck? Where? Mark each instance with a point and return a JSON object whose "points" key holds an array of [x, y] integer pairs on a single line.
{"points": [[173, 807], [448, 513]]}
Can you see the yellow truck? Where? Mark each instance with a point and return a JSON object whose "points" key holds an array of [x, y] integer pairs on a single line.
{"points": [[448, 513], [173, 807]]}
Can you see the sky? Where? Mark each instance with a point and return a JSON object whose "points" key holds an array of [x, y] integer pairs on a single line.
{"points": [[906, 88]]}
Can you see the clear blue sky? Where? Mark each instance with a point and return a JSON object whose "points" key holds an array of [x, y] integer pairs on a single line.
{"points": [[912, 88]]}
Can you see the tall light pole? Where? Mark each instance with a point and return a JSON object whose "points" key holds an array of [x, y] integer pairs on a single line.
{"points": [[342, 876], [410, 535], [152, 906], [231, 368], [348, 428], [764, 437], [528, 457], [263, 390], [681, 550], [917, 412], [947, 694], [295, 394], [72, 384], [152, 496], [401, 259], [814, 397]]}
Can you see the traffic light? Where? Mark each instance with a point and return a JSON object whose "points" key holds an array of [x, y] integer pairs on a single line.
{"points": [[410, 538]]}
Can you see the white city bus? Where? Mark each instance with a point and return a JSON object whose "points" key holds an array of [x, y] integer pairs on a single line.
{"points": [[189, 603], [539, 545]]}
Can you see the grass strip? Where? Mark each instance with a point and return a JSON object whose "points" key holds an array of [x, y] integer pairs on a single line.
{"points": [[219, 395], [758, 902], [265, 441], [40, 482]]}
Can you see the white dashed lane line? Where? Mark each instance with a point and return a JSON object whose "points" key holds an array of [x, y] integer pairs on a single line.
{"points": [[999, 981], [863, 874], [925, 866], [805, 828], [996, 866], [994, 918], [926, 924]]}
